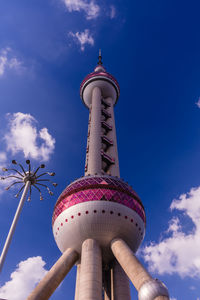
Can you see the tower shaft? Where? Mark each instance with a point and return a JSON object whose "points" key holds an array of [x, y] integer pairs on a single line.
{"points": [[102, 154]]}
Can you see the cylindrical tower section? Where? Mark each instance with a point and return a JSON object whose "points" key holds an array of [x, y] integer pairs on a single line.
{"points": [[131, 265], [90, 287], [94, 143], [78, 270], [147, 287], [121, 283]]}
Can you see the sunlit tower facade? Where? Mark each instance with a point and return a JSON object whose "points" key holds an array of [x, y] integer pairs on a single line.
{"points": [[99, 220]]}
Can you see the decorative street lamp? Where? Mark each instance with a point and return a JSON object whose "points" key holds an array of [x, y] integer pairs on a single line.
{"points": [[27, 179]]}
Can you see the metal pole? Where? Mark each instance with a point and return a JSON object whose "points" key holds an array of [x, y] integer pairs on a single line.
{"points": [[13, 226]]}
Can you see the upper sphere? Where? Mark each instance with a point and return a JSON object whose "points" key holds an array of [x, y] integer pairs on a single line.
{"points": [[102, 79]]}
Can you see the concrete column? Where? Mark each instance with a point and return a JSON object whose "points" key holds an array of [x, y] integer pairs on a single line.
{"points": [[78, 269], [112, 284], [91, 271], [121, 283], [130, 264], [94, 155], [112, 151], [54, 277]]}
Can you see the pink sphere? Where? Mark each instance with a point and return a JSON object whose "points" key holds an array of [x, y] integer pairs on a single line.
{"points": [[99, 207]]}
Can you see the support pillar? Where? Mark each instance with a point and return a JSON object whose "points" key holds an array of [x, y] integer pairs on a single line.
{"points": [[91, 271], [130, 264], [112, 283], [54, 277], [78, 269], [121, 283], [148, 288]]}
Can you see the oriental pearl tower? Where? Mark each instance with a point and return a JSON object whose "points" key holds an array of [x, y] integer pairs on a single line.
{"points": [[99, 220]]}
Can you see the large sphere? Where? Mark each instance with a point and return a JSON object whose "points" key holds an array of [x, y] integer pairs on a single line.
{"points": [[104, 80], [98, 207]]}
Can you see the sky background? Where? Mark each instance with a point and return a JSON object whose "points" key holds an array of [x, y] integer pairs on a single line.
{"points": [[153, 50]]}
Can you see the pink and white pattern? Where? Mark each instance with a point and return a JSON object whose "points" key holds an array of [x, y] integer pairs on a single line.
{"points": [[95, 188]]}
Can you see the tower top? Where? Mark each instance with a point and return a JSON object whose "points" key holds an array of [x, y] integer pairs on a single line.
{"points": [[100, 58], [101, 78], [100, 68]]}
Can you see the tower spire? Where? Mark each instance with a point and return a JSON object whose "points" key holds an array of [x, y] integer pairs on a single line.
{"points": [[100, 58]]}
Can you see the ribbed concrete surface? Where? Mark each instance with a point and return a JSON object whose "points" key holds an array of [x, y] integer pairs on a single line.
{"points": [[91, 271], [131, 265], [54, 277], [78, 269], [121, 283], [94, 155]]}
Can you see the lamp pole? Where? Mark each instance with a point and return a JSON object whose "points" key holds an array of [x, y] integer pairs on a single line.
{"points": [[28, 179]]}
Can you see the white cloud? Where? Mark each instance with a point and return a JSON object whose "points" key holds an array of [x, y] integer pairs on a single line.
{"points": [[83, 38], [23, 280], [198, 103], [112, 12], [174, 225], [7, 61], [178, 251], [3, 158], [22, 135], [90, 8]]}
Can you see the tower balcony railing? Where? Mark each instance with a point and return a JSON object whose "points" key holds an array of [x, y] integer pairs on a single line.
{"points": [[106, 126], [106, 114], [106, 140], [105, 104], [107, 159]]}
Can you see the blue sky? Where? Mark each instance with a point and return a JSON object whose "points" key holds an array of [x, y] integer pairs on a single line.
{"points": [[152, 48]]}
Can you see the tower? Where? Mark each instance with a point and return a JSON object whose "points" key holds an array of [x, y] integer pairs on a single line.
{"points": [[99, 220]]}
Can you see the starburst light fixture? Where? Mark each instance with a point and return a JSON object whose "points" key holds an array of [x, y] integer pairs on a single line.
{"points": [[27, 179], [30, 176]]}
